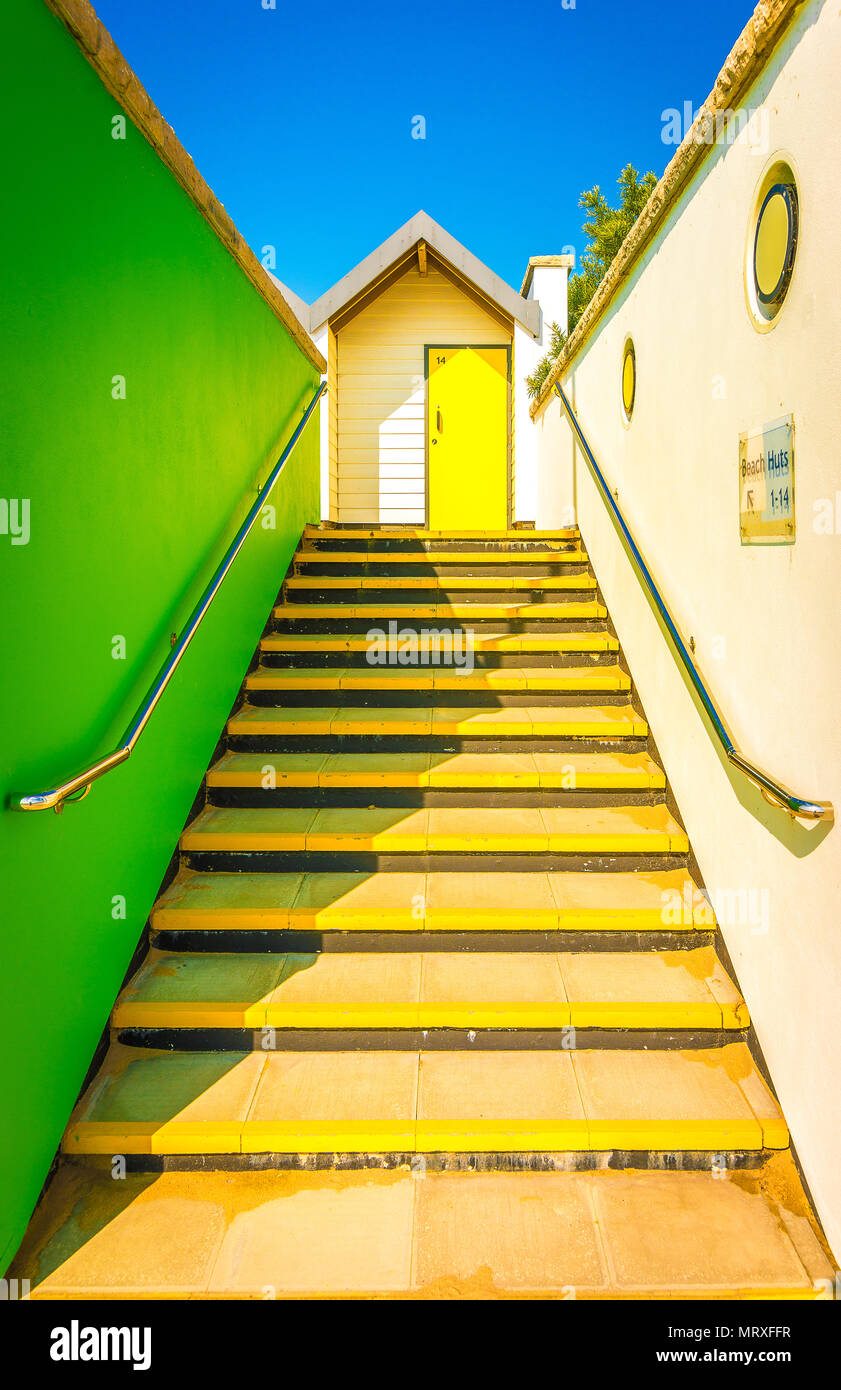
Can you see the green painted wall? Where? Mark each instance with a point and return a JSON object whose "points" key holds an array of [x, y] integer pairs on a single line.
{"points": [[110, 270]]}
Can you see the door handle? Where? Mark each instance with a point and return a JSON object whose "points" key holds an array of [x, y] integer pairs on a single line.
{"points": [[439, 420]]}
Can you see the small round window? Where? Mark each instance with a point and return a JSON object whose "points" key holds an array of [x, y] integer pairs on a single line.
{"points": [[629, 380], [772, 244]]}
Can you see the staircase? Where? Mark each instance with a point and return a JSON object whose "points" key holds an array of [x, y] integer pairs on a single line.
{"points": [[436, 970]]}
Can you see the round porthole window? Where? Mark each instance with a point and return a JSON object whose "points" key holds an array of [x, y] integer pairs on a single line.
{"points": [[772, 244], [629, 380]]}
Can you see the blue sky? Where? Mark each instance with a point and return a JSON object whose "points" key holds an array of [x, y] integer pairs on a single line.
{"points": [[300, 117]]}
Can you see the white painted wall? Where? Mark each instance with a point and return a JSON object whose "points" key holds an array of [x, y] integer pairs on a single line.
{"points": [[527, 352], [555, 480], [766, 620], [549, 287], [382, 392]]}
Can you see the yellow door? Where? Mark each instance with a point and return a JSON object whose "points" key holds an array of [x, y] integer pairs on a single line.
{"points": [[467, 438]]}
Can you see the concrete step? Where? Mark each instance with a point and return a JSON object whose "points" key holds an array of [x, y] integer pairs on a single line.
{"points": [[375, 614], [442, 830], [399, 1103], [425, 1234], [353, 583], [310, 556], [395, 536], [559, 680], [381, 721], [457, 771], [566, 640], [441, 990], [659, 903]]}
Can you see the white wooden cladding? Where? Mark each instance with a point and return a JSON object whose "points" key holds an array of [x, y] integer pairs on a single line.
{"points": [[381, 393]]}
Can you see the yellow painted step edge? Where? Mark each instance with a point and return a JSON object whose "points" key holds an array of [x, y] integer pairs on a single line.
{"points": [[639, 779], [562, 679], [549, 583], [641, 842], [314, 532], [487, 728], [283, 919], [309, 555], [685, 1293], [481, 1014], [564, 1134], [528, 642], [375, 613]]}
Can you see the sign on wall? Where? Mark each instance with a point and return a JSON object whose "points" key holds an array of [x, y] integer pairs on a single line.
{"points": [[766, 483]]}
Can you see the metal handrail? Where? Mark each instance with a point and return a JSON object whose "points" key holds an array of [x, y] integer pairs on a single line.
{"points": [[76, 788], [773, 791]]}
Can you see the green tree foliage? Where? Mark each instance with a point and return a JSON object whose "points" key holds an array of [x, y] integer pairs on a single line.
{"points": [[606, 228], [556, 341]]}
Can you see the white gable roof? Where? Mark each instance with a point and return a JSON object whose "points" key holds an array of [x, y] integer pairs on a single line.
{"points": [[419, 228]]}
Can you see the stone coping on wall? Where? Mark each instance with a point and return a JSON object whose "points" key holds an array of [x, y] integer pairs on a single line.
{"points": [[743, 65], [100, 50], [538, 262]]}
